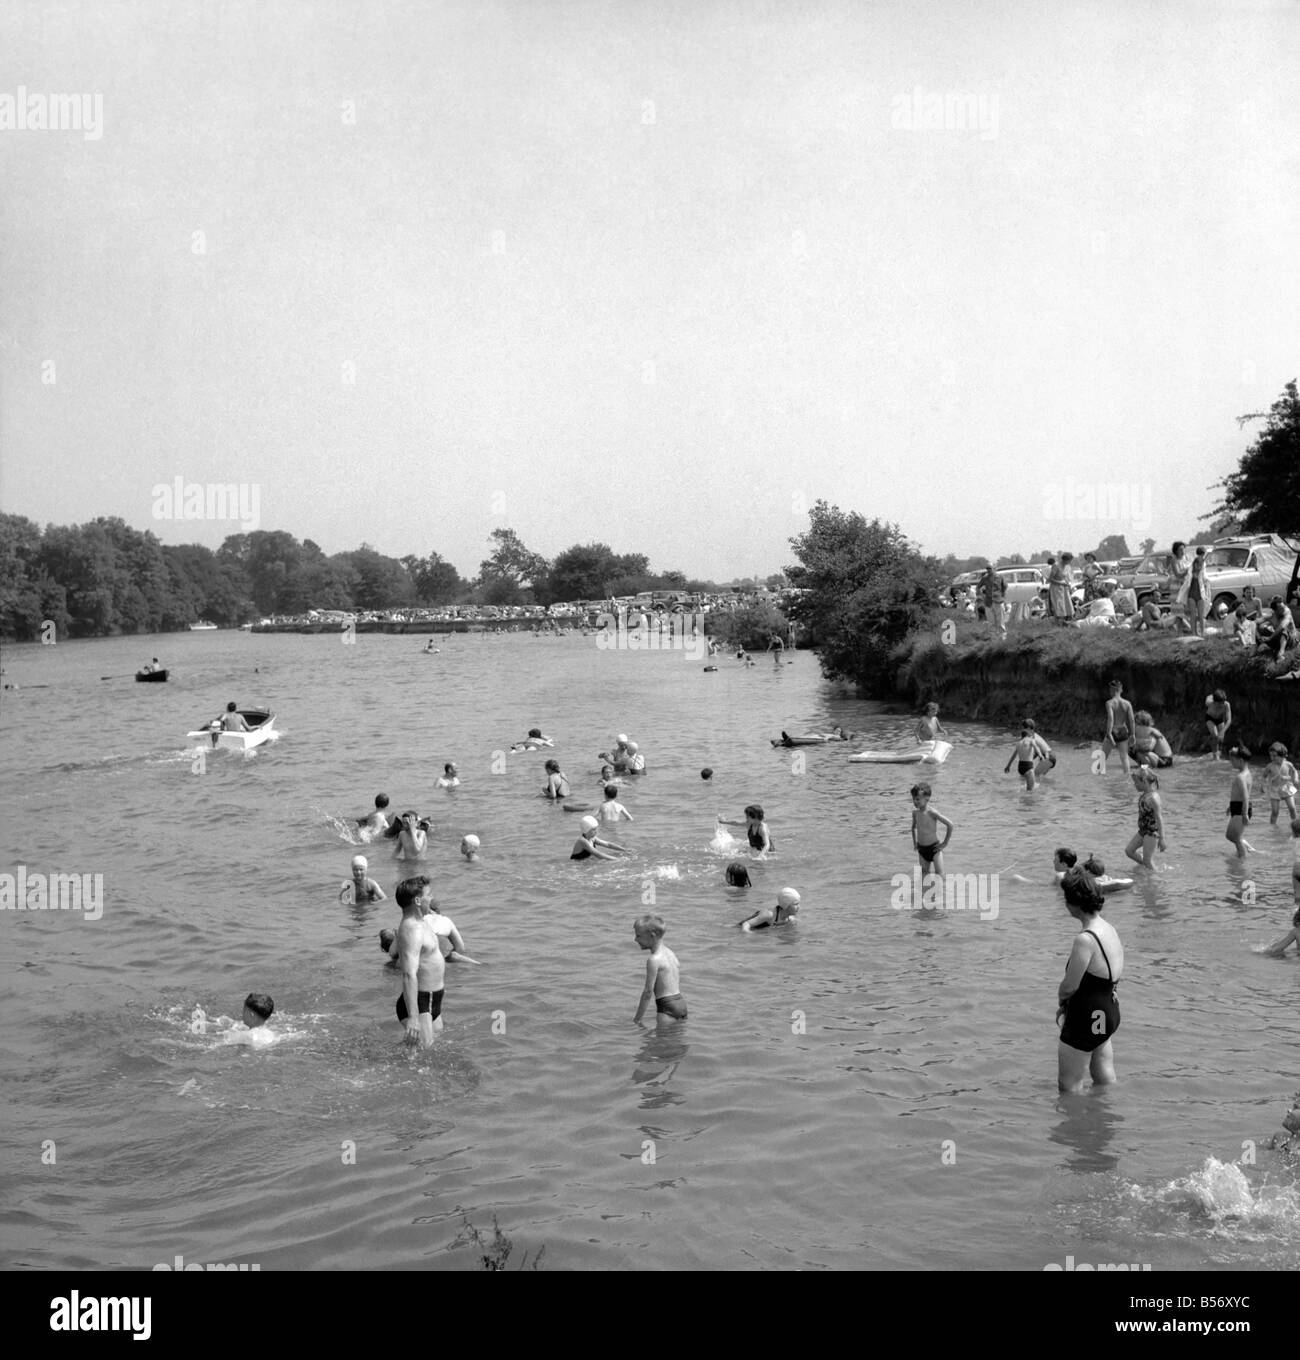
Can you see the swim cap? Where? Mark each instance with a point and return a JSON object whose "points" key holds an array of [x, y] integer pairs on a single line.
{"points": [[622, 738], [471, 841], [632, 746], [359, 861], [589, 824], [787, 897]]}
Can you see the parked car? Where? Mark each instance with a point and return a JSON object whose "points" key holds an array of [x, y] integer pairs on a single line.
{"points": [[1024, 584], [1151, 579], [1268, 562]]}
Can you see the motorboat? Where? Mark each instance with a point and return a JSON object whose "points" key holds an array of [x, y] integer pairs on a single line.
{"points": [[151, 677], [203, 626], [261, 727]]}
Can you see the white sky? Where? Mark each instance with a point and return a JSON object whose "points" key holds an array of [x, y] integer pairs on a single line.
{"points": [[668, 326]]}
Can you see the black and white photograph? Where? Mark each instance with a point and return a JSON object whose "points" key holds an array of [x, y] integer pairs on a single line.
{"points": [[650, 636]]}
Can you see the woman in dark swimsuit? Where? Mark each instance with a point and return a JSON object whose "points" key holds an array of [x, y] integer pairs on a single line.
{"points": [[1088, 1009]]}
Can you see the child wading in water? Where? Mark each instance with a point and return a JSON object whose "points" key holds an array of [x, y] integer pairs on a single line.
{"points": [[760, 838], [662, 979], [1292, 937], [1032, 754], [1218, 718], [1280, 782], [1239, 801], [925, 833], [1151, 821], [1120, 723], [928, 726]]}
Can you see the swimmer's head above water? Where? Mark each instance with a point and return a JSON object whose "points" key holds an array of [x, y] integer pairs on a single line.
{"points": [[469, 846], [386, 938], [1065, 858], [788, 900], [706, 773], [258, 1009], [738, 875]]}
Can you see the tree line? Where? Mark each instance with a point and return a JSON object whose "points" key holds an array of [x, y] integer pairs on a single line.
{"points": [[104, 577]]}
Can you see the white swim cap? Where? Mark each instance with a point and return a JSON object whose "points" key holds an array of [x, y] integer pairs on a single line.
{"points": [[632, 746], [359, 862], [471, 841], [622, 738], [787, 897], [589, 824]]}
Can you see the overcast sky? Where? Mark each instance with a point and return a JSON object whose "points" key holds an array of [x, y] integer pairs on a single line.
{"points": [[654, 274]]}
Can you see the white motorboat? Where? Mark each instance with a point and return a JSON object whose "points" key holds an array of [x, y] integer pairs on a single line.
{"points": [[203, 626], [261, 727]]}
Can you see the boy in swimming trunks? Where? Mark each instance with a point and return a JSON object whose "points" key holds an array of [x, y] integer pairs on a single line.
{"points": [[450, 778], [412, 837], [420, 960], [611, 810], [377, 823], [258, 1009], [1218, 718], [760, 838], [1030, 754], [1119, 725], [1280, 782], [469, 847], [662, 981], [363, 889], [785, 910], [925, 833], [928, 726], [588, 845], [1239, 800], [606, 775]]}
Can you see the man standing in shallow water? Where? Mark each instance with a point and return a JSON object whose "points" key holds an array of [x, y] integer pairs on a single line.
{"points": [[420, 962]]}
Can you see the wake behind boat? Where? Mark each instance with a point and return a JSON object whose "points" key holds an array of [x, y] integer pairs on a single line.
{"points": [[928, 753], [261, 727]]}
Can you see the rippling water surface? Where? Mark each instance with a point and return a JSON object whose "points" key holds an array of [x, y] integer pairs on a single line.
{"points": [[870, 1088]]}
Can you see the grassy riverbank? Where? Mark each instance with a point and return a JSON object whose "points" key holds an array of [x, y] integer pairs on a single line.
{"points": [[1059, 677]]}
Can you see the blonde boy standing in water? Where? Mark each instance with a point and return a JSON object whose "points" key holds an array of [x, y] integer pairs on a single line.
{"points": [[662, 980], [928, 726]]}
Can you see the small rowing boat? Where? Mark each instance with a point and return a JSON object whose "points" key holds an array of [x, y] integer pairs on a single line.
{"points": [[151, 677], [928, 753], [261, 727]]}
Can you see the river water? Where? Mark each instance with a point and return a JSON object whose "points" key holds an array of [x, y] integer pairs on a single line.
{"points": [[871, 1087]]}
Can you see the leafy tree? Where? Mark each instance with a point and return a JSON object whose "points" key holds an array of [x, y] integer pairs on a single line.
{"points": [[436, 581], [381, 582], [583, 572], [751, 626], [511, 567], [1263, 495], [1112, 548], [866, 588]]}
